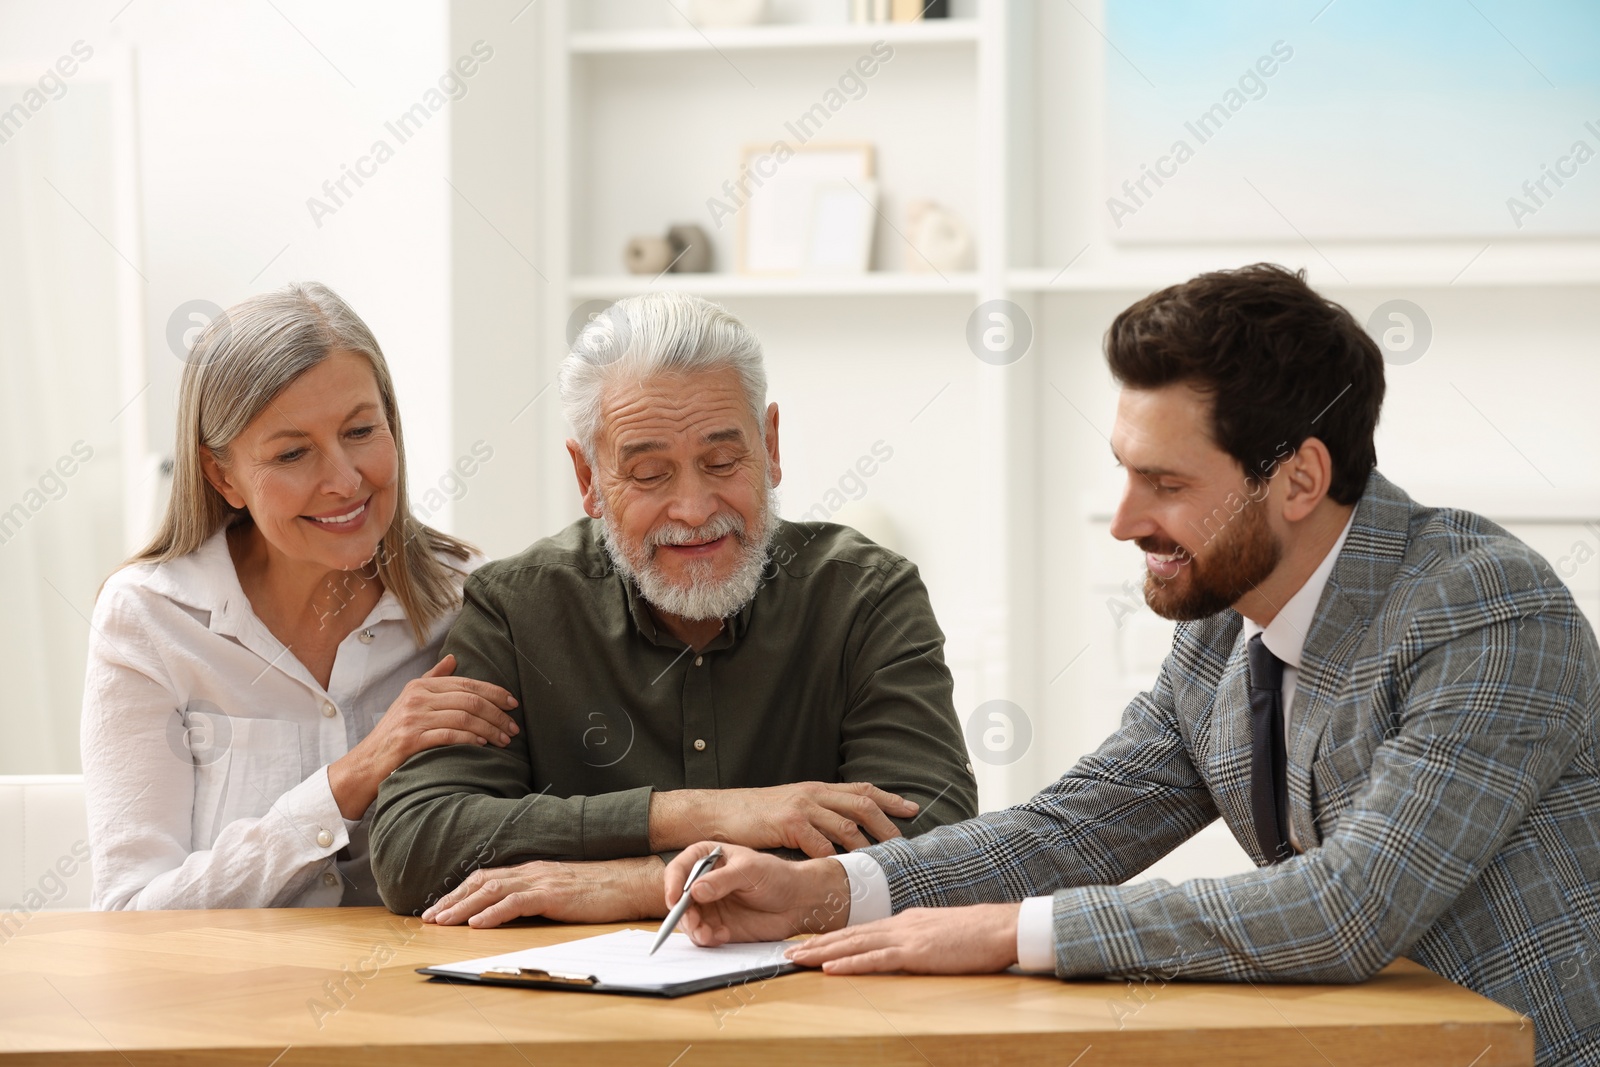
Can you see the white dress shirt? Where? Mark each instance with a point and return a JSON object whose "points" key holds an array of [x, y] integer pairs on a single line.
{"points": [[1285, 637], [206, 743]]}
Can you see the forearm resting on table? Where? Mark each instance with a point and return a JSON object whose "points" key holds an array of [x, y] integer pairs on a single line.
{"points": [[678, 819]]}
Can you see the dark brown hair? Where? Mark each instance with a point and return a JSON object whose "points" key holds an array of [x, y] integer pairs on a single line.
{"points": [[1279, 362]]}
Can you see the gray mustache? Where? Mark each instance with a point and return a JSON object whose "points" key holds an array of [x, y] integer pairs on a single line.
{"points": [[679, 534]]}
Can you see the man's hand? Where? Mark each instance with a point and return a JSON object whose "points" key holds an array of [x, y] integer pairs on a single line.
{"points": [[594, 892], [809, 816], [975, 940], [751, 896]]}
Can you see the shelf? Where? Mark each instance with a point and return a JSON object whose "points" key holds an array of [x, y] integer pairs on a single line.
{"points": [[1332, 265], [790, 36], [1364, 268], [872, 283]]}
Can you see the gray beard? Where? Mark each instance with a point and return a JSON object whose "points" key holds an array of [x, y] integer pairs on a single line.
{"points": [[703, 598]]}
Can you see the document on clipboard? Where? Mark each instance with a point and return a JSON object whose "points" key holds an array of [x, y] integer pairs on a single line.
{"points": [[620, 963]]}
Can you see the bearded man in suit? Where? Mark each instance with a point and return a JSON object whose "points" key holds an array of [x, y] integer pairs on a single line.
{"points": [[1392, 707]]}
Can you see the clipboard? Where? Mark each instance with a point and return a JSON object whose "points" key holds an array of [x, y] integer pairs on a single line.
{"points": [[619, 963]]}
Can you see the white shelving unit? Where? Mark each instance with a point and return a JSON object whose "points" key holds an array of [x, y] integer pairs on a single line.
{"points": [[874, 283], [655, 60], [615, 42]]}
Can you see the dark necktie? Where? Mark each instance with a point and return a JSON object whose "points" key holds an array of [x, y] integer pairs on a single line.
{"points": [[1269, 759]]}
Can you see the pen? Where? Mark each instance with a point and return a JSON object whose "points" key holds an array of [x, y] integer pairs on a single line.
{"points": [[708, 861]]}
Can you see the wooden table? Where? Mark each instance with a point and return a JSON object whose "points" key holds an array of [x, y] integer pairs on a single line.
{"points": [[336, 986]]}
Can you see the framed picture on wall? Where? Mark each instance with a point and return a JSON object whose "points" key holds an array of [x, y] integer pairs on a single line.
{"points": [[1256, 135], [776, 221]]}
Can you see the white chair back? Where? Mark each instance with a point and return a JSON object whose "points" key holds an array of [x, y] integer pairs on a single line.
{"points": [[44, 847]]}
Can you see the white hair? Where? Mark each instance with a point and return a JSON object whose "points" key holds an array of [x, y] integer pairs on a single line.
{"points": [[655, 333]]}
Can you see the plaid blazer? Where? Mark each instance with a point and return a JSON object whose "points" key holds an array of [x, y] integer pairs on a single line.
{"points": [[1442, 779]]}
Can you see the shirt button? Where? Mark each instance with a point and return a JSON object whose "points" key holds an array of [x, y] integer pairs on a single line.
{"points": [[365, 637], [330, 879], [699, 744], [324, 839], [699, 660], [328, 710]]}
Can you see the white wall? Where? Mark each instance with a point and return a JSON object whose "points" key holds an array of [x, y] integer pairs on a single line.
{"points": [[243, 114], [244, 110], [501, 389]]}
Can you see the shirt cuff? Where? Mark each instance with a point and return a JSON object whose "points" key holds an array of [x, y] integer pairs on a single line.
{"points": [[869, 888], [613, 825], [310, 808], [1036, 942]]}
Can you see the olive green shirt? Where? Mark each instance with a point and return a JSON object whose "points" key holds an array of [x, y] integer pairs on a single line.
{"points": [[834, 672]]}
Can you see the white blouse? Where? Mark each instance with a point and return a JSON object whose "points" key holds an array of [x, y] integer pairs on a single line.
{"points": [[206, 743]]}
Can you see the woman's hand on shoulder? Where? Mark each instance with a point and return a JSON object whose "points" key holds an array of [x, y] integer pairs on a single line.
{"points": [[441, 709], [435, 709]]}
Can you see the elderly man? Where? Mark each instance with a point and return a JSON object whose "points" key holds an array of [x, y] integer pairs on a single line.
{"points": [[688, 665]]}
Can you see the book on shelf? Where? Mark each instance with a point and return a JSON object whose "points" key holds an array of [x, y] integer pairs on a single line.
{"points": [[866, 11]]}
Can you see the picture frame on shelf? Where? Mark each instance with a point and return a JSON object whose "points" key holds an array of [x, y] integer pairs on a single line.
{"points": [[775, 220], [844, 215]]}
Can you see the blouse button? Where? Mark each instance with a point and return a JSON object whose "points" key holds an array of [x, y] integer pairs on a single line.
{"points": [[330, 878], [324, 839], [328, 710], [365, 637], [699, 744]]}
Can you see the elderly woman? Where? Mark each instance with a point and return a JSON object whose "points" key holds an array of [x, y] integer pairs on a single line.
{"points": [[263, 664]]}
